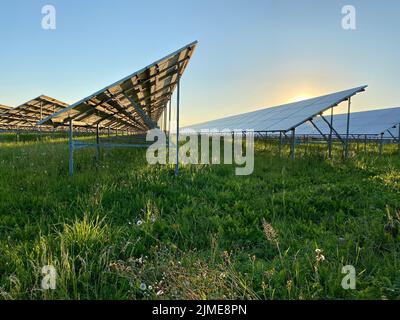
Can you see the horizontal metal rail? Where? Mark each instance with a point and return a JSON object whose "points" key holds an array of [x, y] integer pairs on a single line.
{"points": [[81, 145]]}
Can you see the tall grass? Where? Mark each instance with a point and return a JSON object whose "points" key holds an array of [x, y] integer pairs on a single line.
{"points": [[121, 229]]}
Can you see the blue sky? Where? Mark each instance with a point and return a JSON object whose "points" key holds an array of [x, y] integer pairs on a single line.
{"points": [[251, 54]]}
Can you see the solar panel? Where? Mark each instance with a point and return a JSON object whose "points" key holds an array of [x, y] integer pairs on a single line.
{"points": [[372, 122], [133, 103], [4, 108], [280, 118], [30, 112]]}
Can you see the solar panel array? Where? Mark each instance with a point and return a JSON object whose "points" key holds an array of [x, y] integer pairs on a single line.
{"points": [[4, 108], [373, 122], [29, 113], [134, 103], [281, 118], [137, 102]]}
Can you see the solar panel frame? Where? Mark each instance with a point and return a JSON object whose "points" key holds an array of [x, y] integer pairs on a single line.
{"points": [[135, 102]]}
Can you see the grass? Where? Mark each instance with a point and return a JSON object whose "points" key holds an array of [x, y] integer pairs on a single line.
{"points": [[121, 229]]}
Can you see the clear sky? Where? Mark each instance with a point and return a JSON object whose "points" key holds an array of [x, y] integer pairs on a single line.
{"points": [[251, 54]]}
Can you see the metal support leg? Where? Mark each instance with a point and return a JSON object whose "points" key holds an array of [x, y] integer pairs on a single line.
{"points": [[293, 145], [71, 149], [266, 141], [97, 143], [307, 139], [365, 144], [346, 151], [330, 136], [165, 120], [398, 140], [177, 124], [169, 127], [381, 145], [280, 144]]}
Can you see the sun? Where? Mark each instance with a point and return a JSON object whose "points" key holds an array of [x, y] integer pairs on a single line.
{"points": [[299, 98]]}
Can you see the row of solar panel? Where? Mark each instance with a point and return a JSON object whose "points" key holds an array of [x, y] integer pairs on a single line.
{"points": [[281, 118], [29, 113], [372, 122], [307, 118], [137, 102], [134, 103]]}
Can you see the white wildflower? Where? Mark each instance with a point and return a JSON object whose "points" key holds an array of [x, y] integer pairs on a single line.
{"points": [[319, 257], [160, 293]]}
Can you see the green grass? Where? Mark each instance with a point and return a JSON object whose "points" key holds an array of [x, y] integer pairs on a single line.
{"points": [[201, 235]]}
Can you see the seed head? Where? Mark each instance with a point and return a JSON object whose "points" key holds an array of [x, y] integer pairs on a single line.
{"points": [[269, 231]]}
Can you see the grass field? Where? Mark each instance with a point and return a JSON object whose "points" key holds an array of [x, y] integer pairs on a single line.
{"points": [[120, 229]]}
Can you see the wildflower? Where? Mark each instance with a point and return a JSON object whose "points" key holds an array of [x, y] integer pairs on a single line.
{"points": [[319, 257], [112, 265], [143, 286], [289, 285], [153, 218], [270, 273], [139, 222], [160, 293]]}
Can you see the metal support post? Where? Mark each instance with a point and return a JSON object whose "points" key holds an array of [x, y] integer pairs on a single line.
{"points": [[169, 127], [330, 136], [71, 149], [98, 143], [365, 144], [346, 151], [293, 145], [381, 144], [177, 124], [398, 140]]}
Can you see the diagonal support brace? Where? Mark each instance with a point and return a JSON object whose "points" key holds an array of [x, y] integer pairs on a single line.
{"points": [[320, 132], [333, 129], [141, 112]]}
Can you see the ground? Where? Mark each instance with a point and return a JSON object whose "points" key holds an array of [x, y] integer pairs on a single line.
{"points": [[121, 229]]}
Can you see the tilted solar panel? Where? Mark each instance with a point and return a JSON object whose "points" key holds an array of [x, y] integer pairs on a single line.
{"points": [[29, 113], [280, 118], [133, 103], [4, 108], [372, 122]]}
